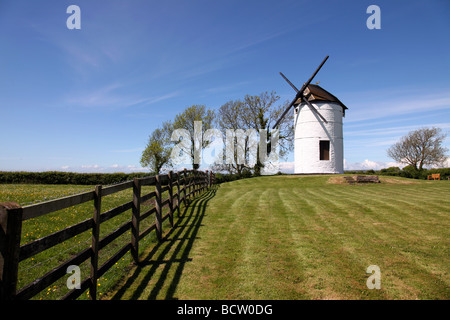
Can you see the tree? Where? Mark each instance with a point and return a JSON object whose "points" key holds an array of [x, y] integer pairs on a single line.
{"points": [[257, 112], [157, 152], [230, 118], [186, 120], [419, 148]]}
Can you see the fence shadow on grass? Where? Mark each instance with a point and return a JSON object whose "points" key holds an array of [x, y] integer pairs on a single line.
{"points": [[172, 252]]}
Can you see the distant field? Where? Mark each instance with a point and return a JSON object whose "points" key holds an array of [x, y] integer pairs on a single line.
{"points": [[303, 237], [279, 237]]}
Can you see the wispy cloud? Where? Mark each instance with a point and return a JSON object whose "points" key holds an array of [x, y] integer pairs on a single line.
{"points": [[100, 97], [95, 168], [127, 150], [110, 96], [233, 51], [397, 130], [90, 166], [374, 108], [225, 88], [369, 164], [161, 98], [255, 40]]}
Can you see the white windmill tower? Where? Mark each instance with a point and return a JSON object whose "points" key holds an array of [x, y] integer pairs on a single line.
{"points": [[318, 144]]}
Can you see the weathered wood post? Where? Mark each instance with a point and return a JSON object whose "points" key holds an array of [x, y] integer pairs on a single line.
{"points": [[192, 183], [136, 213], [95, 241], [194, 180], [189, 185], [198, 182], [10, 233], [178, 193], [184, 184], [158, 215], [170, 183], [204, 181]]}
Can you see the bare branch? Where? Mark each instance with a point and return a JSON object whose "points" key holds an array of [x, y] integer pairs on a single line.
{"points": [[419, 148]]}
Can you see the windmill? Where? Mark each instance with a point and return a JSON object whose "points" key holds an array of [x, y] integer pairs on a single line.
{"points": [[318, 141]]}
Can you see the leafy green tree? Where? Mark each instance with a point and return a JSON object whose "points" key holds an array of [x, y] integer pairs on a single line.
{"points": [[157, 152]]}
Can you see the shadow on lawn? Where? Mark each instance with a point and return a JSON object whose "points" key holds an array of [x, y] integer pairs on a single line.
{"points": [[172, 252]]}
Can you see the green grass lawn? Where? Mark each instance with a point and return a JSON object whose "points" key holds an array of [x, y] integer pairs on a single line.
{"points": [[279, 237], [302, 237]]}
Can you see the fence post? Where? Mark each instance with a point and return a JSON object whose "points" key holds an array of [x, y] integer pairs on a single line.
{"points": [[197, 182], [196, 185], [170, 177], [203, 180], [158, 215], [136, 213], [10, 233], [193, 184], [184, 185], [178, 193], [202, 185], [189, 185], [95, 241]]}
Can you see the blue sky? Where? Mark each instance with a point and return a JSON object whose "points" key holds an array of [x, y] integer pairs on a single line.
{"points": [[86, 100]]}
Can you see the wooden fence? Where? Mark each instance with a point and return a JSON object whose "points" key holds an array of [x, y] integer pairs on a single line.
{"points": [[187, 183]]}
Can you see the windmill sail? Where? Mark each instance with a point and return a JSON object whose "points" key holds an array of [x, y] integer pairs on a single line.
{"points": [[300, 92]]}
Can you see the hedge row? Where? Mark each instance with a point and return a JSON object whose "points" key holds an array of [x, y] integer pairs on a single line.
{"points": [[57, 177], [227, 177], [406, 172]]}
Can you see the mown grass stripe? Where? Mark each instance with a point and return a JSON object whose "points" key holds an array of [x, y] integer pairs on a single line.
{"points": [[293, 237]]}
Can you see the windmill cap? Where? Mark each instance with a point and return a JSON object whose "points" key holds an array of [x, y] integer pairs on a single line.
{"points": [[313, 92]]}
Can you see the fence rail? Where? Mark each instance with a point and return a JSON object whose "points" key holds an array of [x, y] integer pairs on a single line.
{"points": [[187, 183]]}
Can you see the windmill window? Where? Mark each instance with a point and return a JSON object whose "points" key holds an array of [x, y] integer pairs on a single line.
{"points": [[324, 149]]}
